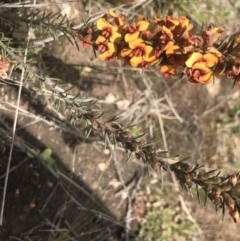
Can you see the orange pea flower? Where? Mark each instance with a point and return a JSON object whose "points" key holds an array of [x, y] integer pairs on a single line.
{"points": [[108, 30], [169, 21], [181, 30], [140, 53], [198, 67], [168, 70], [166, 35], [135, 29], [170, 48], [228, 71], [173, 29], [192, 42], [211, 35], [118, 18], [107, 49]]}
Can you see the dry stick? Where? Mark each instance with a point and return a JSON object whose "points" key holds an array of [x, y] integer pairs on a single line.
{"points": [[50, 196], [27, 114], [121, 73], [25, 5], [206, 112], [134, 191], [54, 123], [180, 119], [15, 124], [29, 232], [48, 223], [129, 208]]}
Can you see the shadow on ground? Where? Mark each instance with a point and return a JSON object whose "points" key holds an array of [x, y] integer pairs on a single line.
{"points": [[41, 206]]}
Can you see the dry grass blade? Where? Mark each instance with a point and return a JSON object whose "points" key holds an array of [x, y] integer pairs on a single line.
{"points": [[116, 164], [15, 125]]}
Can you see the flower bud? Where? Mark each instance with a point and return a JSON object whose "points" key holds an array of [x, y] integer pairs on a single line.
{"points": [[235, 215], [208, 188], [216, 191], [186, 167], [233, 179], [218, 201], [230, 203], [227, 186], [214, 180]]}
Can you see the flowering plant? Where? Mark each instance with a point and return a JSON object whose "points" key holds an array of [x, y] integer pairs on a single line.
{"points": [[167, 43]]}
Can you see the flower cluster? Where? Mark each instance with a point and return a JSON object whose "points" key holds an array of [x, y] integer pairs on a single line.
{"points": [[167, 43], [222, 191]]}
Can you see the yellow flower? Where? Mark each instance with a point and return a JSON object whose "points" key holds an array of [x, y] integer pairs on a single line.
{"points": [[135, 29], [169, 21], [107, 49], [108, 30], [211, 35], [168, 70], [181, 30], [173, 29], [118, 18], [141, 52], [198, 67], [171, 48]]}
